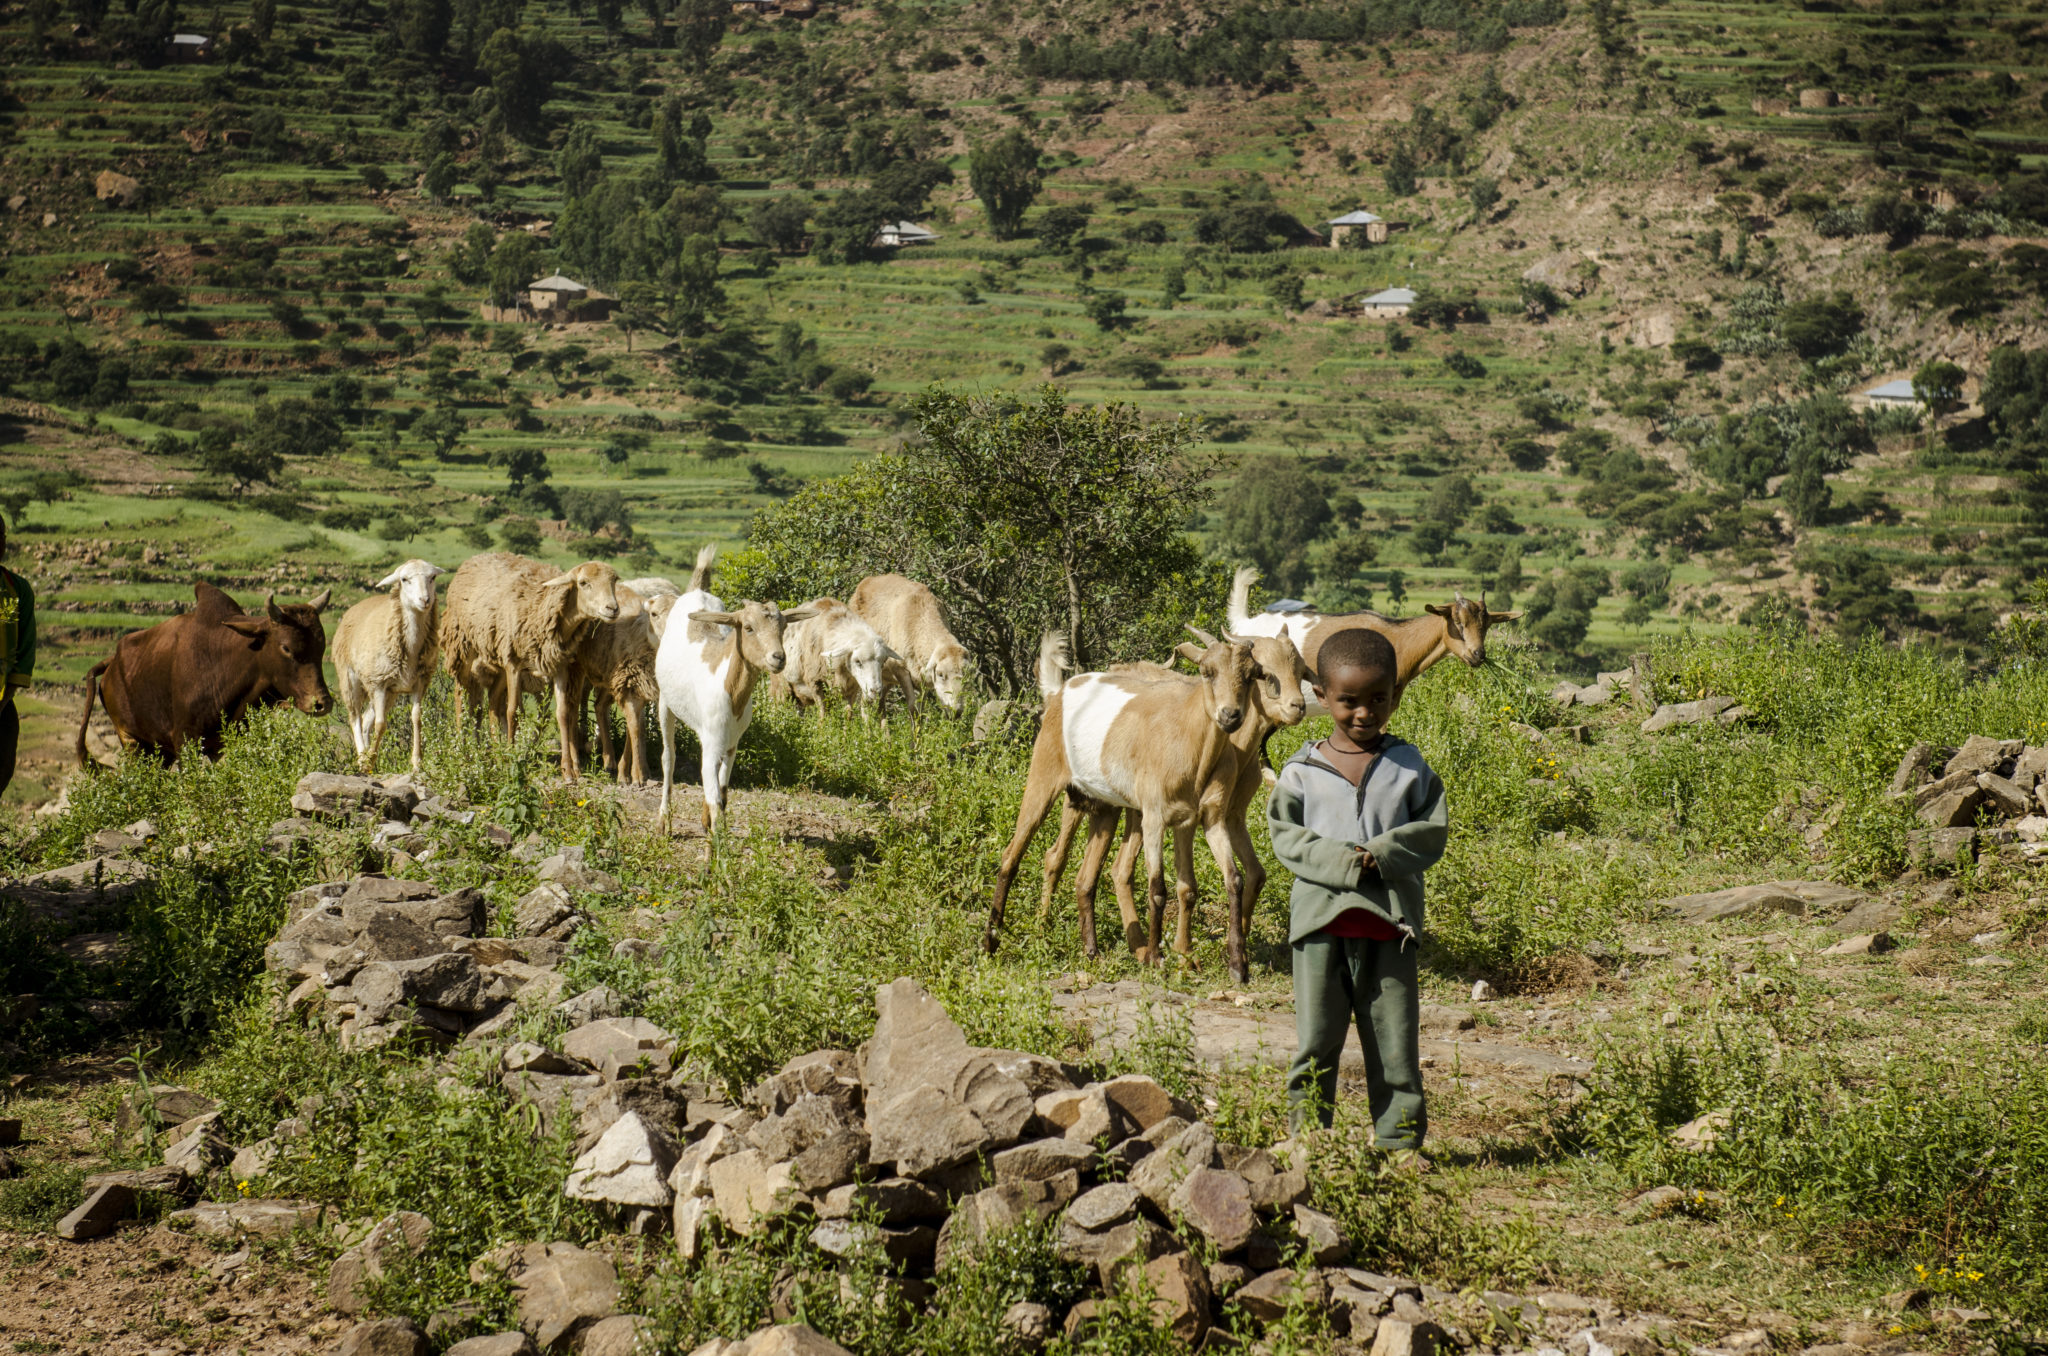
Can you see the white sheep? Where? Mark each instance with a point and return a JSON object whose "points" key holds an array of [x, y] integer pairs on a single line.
{"points": [[906, 615], [383, 648], [835, 646], [511, 621]]}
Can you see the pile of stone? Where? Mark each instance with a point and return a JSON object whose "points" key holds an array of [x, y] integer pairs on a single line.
{"points": [[397, 811], [920, 1146], [2000, 780], [386, 959]]}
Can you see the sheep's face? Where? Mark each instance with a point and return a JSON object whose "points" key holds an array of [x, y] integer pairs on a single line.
{"points": [[949, 674], [658, 608], [1278, 691], [414, 584], [595, 587], [866, 663], [1465, 624]]}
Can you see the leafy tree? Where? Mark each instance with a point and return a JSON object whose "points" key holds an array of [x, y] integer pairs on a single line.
{"points": [[580, 162], [521, 536], [697, 294], [158, 299], [1559, 609], [679, 150], [1173, 285], [700, 28], [293, 426], [1004, 174], [1399, 175], [1805, 490], [1059, 227], [1939, 386], [442, 427], [779, 222], [513, 264], [527, 474], [905, 186], [521, 70], [1540, 300], [1253, 226], [1021, 515], [592, 511], [438, 183], [470, 261], [1820, 327], [1857, 587], [1106, 309], [1484, 194], [1274, 515], [638, 309]]}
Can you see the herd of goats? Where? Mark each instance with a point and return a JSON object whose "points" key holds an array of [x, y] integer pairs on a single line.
{"points": [[1143, 743]]}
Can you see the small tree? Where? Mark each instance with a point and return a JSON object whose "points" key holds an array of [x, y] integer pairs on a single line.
{"points": [[638, 309], [1273, 516], [158, 299], [513, 264], [1484, 194], [442, 428], [1004, 174], [779, 223], [1060, 227], [1939, 386], [1106, 309], [438, 183]]}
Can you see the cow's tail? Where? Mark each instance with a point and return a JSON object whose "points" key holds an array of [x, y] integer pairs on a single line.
{"points": [[92, 686]]}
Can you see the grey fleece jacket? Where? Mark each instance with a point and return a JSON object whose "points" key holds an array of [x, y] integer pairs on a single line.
{"points": [[1318, 820]]}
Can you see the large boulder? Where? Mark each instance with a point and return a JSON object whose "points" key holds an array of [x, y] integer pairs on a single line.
{"points": [[750, 1188], [459, 913], [629, 1165], [1742, 900], [117, 188], [329, 793], [450, 981], [1717, 710], [933, 1102], [563, 1291], [613, 1044], [384, 1337], [102, 1209], [1218, 1204], [999, 1209]]}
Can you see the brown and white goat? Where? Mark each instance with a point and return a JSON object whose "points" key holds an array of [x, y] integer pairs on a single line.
{"points": [[1115, 741], [1278, 699], [1457, 628]]}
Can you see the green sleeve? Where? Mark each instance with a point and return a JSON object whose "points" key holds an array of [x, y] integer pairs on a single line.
{"points": [[1329, 862], [1414, 847]]}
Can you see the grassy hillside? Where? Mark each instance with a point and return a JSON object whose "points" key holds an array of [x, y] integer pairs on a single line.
{"points": [[1681, 207]]}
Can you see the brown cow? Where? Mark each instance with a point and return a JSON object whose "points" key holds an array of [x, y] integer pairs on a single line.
{"points": [[194, 675]]}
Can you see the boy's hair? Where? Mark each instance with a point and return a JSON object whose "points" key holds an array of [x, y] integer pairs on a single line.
{"points": [[1356, 648]]}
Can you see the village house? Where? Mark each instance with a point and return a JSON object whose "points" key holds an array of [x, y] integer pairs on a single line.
{"points": [[189, 47], [1376, 228], [555, 295], [894, 234], [1892, 395], [1393, 301]]}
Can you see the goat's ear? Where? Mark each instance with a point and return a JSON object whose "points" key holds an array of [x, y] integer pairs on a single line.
{"points": [[1189, 651], [1199, 634], [716, 618], [804, 613], [252, 627], [1496, 618], [1437, 609]]}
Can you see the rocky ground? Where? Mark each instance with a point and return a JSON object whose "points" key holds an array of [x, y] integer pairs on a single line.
{"points": [[917, 1143]]}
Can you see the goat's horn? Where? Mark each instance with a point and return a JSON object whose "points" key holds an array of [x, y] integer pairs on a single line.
{"points": [[1200, 634]]}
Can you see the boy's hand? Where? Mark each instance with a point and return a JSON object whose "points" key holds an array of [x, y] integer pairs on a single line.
{"points": [[1365, 860]]}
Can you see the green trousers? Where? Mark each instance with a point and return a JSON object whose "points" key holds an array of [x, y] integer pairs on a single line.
{"points": [[1341, 979]]}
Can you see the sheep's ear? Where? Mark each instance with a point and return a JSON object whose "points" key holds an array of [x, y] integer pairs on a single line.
{"points": [[388, 580], [716, 618], [1437, 609], [1189, 651], [560, 581], [797, 614], [1199, 634], [1495, 618]]}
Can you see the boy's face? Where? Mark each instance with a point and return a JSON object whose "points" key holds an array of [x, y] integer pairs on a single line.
{"points": [[1361, 701]]}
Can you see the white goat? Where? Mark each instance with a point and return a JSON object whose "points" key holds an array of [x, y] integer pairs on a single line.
{"points": [[706, 671], [385, 647]]}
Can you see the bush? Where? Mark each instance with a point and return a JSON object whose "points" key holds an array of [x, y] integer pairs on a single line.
{"points": [[521, 536]]}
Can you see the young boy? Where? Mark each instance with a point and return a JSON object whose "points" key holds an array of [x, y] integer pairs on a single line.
{"points": [[1358, 818]]}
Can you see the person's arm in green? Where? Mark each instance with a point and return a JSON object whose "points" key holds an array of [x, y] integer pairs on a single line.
{"points": [[21, 665]]}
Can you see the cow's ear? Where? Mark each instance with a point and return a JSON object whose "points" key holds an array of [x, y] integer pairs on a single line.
{"points": [[252, 627]]}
